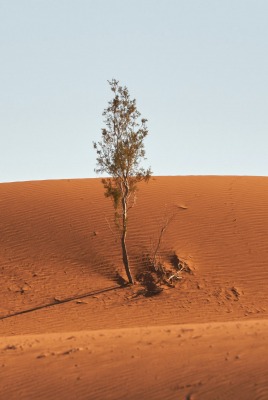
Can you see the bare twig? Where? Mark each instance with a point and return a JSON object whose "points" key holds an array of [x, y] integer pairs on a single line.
{"points": [[166, 221], [108, 223]]}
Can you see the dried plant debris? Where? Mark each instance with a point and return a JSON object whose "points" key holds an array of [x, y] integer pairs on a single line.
{"points": [[159, 274]]}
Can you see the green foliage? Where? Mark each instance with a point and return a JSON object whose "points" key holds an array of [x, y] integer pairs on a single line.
{"points": [[121, 148]]}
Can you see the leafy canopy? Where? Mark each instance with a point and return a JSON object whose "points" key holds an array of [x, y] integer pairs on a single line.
{"points": [[121, 148]]}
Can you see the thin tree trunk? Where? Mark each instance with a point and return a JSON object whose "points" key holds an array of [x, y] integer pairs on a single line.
{"points": [[123, 242]]}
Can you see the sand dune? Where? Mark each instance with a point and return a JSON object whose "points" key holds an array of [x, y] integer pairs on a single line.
{"points": [[216, 360], [205, 339]]}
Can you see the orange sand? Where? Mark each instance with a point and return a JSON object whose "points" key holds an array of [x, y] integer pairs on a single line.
{"points": [[205, 339]]}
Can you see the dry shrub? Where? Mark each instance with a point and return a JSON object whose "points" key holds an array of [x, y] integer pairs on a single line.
{"points": [[158, 274]]}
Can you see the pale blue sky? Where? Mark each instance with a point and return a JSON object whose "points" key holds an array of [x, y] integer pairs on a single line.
{"points": [[198, 69]]}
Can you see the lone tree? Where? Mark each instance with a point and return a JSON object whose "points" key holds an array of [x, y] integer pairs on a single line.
{"points": [[119, 154]]}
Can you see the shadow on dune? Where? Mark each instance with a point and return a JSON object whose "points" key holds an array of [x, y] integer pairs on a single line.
{"points": [[66, 300]]}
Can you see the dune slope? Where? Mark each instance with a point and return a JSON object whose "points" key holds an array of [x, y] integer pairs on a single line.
{"points": [[58, 242], [201, 361]]}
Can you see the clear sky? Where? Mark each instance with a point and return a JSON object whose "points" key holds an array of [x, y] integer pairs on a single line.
{"points": [[198, 70]]}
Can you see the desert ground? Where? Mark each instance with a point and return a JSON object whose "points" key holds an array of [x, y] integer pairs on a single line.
{"points": [[69, 330]]}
